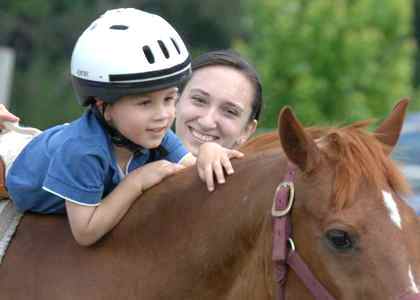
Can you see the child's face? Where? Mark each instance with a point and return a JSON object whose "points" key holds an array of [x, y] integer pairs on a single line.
{"points": [[144, 119]]}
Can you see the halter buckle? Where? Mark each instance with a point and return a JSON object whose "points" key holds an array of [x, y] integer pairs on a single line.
{"points": [[291, 244], [282, 212]]}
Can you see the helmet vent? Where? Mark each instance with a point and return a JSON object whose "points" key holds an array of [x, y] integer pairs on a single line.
{"points": [[149, 55], [176, 46], [119, 27], [93, 26], [163, 48]]}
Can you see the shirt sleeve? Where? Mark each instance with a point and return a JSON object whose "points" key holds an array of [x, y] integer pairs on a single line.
{"points": [[76, 173], [174, 147]]}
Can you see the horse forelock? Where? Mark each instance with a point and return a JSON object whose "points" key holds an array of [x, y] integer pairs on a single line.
{"points": [[358, 157]]}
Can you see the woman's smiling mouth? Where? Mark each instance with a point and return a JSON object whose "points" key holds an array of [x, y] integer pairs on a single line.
{"points": [[201, 136]]}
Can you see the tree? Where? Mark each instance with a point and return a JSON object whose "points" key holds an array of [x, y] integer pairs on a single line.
{"points": [[330, 59], [43, 34]]}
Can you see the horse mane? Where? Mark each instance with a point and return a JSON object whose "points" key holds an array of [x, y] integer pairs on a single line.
{"points": [[261, 142], [357, 153]]}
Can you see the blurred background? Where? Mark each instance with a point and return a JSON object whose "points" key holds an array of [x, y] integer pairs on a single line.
{"points": [[333, 61]]}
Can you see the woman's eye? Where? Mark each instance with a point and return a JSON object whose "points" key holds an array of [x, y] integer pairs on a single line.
{"points": [[198, 100], [231, 112]]}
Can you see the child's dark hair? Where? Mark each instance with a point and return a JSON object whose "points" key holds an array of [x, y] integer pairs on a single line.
{"points": [[233, 59]]}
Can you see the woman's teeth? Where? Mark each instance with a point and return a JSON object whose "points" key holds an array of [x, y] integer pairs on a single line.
{"points": [[203, 137]]}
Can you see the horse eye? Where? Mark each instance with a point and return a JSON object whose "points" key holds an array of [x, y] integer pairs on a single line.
{"points": [[339, 240]]}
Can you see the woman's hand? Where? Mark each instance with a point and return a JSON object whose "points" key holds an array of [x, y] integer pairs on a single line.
{"points": [[215, 159]]}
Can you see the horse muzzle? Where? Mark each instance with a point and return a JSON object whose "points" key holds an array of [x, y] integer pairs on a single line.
{"points": [[413, 296]]}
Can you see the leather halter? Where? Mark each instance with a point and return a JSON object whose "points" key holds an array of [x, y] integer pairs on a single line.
{"points": [[284, 252]]}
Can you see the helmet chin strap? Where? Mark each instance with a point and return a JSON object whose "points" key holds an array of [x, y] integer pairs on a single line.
{"points": [[116, 136]]}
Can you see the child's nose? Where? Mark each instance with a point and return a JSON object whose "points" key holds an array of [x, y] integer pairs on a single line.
{"points": [[163, 112]]}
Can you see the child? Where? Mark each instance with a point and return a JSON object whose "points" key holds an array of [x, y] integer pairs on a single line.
{"points": [[126, 66]]}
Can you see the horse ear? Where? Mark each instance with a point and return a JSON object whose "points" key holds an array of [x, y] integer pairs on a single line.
{"points": [[389, 130], [297, 144]]}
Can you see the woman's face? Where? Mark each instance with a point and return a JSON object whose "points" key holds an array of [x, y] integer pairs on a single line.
{"points": [[215, 106]]}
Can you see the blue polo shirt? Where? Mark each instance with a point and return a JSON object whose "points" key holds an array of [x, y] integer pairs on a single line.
{"points": [[75, 162]]}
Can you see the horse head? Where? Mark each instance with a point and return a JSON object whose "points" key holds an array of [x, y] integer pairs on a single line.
{"points": [[349, 221]]}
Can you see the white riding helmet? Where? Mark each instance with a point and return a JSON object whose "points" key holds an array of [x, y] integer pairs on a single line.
{"points": [[127, 51]]}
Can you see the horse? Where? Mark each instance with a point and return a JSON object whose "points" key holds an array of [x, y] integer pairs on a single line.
{"points": [[349, 221]]}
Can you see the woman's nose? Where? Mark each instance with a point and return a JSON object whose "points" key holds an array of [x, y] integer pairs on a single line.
{"points": [[208, 120]]}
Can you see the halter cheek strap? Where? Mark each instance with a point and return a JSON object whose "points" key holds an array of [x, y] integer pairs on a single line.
{"points": [[284, 252]]}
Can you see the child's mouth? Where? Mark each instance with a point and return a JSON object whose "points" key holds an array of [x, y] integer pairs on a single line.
{"points": [[157, 130]]}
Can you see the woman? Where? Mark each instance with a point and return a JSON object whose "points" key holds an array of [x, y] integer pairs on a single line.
{"points": [[221, 102]]}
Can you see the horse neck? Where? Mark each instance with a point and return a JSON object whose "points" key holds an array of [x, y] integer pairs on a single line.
{"points": [[212, 237], [255, 279]]}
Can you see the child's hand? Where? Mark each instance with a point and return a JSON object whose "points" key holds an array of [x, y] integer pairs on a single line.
{"points": [[151, 174], [5, 115], [213, 158]]}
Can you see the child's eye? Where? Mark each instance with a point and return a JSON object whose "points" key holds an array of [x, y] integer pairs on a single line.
{"points": [[170, 99], [144, 103]]}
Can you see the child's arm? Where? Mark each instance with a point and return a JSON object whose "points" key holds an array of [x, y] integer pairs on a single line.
{"points": [[89, 223], [188, 160], [212, 159]]}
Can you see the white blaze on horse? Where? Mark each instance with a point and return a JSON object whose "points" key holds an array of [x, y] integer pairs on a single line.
{"points": [[346, 235]]}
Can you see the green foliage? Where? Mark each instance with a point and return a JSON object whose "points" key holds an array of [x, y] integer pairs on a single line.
{"points": [[330, 60], [43, 34], [45, 94]]}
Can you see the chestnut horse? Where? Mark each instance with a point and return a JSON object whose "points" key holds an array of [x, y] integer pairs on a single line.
{"points": [[178, 241]]}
